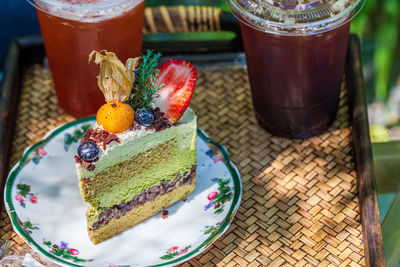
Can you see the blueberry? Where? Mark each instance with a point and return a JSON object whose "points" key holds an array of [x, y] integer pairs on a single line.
{"points": [[144, 117], [88, 151]]}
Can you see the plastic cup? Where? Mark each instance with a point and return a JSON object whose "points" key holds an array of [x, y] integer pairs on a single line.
{"points": [[71, 29], [295, 52]]}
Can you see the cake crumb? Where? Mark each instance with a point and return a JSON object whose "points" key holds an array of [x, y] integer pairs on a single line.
{"points": [[100, 137], [78, 160], [164, 214], [91, 167]]}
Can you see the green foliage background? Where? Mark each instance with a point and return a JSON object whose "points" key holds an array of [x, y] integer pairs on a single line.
{"points": [[378, 26]]}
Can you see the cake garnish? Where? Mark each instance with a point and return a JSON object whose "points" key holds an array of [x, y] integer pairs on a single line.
{"points": [[179, 79], [145, 85], [115, 117], [136, 126], [160, 121], [138, 88], [115, 80], [144, 116], [100, 137], [164, 214], [86, 164], [92, 139], [88, 151]]}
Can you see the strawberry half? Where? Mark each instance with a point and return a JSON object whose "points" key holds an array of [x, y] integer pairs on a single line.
{"points": [[179, 78]]}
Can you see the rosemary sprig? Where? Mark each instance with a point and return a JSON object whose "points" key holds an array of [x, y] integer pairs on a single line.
{"points": [[144, 87]]}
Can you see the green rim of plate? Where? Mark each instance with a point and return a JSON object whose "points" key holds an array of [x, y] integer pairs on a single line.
{"points": [[33, 244]]}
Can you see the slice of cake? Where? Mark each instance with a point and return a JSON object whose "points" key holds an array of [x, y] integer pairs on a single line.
{"points": [[140, 157]]}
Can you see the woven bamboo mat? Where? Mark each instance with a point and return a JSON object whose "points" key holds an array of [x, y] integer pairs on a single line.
{"points": [[299, 205]]}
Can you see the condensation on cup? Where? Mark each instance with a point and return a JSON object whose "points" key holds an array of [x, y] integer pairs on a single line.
{"points": [[295, 52], [71, 29]]}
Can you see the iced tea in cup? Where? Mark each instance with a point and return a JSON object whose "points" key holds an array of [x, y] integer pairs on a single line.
{"points": [[71, 29], [295, 52]]}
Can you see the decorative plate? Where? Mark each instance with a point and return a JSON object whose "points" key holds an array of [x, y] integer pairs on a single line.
{"points": [[43, 202]]}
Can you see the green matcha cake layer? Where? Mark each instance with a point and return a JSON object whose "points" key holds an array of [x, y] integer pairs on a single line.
{"points": [[126, 189], [126, 169], [97, 218], [184, 132]]}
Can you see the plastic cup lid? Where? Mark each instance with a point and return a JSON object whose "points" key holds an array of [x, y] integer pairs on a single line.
{"points": [[295, 17], [84, 10]]}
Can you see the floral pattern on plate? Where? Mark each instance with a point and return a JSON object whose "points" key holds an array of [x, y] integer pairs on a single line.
{"points": [[24, 194], [218, 199], [60, 211], [175, 251], [64, 251], [28, 226], [38, 154], [214, 153], [211, 229]]}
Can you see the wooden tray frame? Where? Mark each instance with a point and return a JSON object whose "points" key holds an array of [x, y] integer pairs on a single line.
{"points": [[25, 51]]}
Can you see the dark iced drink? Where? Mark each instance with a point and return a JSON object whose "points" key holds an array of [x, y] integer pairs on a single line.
{"points": [[295, 68], [295, 80]]}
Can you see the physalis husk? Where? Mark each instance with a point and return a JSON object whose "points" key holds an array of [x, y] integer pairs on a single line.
{"points": [[115, 79]]}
